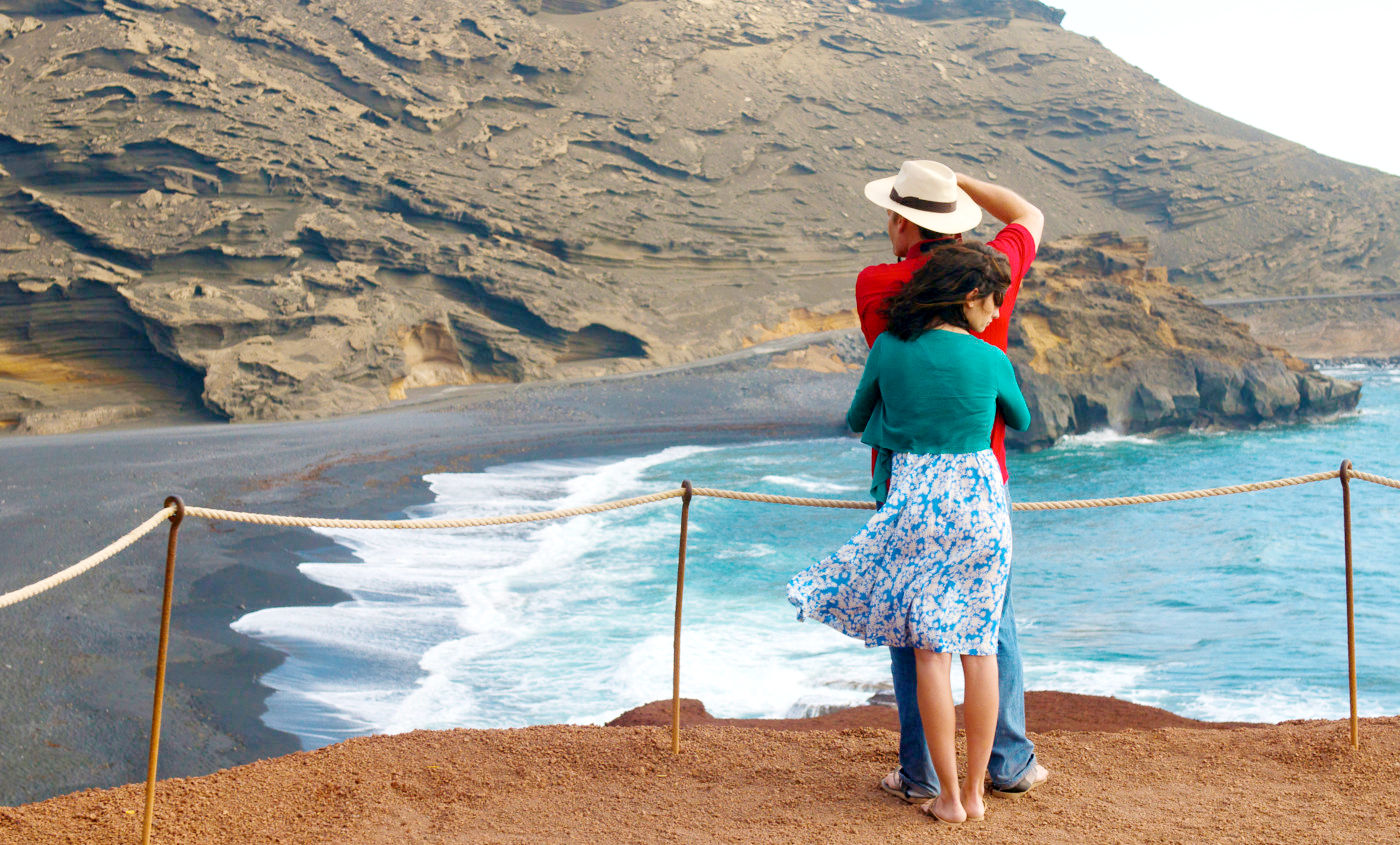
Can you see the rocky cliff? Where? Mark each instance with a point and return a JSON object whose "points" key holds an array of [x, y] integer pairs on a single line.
{"points": [[292, 208], [1101, 340], [1156, 358]]}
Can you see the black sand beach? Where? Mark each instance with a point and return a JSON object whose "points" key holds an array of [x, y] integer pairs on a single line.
{"points": [[79, 660]]}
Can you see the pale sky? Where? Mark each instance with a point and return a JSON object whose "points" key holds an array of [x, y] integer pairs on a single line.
{"points": [[1323, 74]]}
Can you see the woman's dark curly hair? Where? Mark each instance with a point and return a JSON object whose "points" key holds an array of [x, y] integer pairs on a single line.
{"points": [[936, 294]]}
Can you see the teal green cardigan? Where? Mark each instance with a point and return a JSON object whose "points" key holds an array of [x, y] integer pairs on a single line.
{"points": [[936, 394]]}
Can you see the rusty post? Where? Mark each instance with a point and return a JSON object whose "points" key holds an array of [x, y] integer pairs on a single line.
{"points": [[1351, 603], [175, 520], [676, 638]]}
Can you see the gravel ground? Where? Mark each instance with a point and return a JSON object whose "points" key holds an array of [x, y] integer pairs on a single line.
{"points": [[1297, 783]]}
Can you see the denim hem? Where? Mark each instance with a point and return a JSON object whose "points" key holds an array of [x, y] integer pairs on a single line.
{"points": [[1030, 767], [908, 781]]}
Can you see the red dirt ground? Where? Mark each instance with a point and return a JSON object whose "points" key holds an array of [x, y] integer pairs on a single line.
{"points": [[1144, 776]]}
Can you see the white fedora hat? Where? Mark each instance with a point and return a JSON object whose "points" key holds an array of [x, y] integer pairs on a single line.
{"points": [[926, 193]]}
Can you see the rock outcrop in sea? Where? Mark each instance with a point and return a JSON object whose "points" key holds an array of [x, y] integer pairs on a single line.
{"points": [[287, 209]]}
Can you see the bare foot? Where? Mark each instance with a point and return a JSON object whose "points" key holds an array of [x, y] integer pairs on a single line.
{"points": [[972, 802], [945, 808]]}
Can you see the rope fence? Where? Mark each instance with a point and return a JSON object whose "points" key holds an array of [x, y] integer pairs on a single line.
{"points": [[1374, 479], [282, 520], [110, 551], [425, 524], [175, 511]]}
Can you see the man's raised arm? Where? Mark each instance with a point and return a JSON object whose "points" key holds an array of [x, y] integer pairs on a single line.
{"points": [[1004, 204]]}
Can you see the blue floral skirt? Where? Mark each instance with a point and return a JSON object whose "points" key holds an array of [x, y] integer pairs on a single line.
{"points": [[929, 569]]}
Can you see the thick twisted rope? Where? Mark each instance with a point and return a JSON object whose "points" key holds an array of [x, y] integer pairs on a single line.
{"points": [[1149, 498], [1153, 498], [782, 500], [1374, 479], [17, 596], [421, 524]]}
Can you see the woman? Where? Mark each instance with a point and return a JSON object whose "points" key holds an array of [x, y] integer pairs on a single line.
{"points": [[930, 568]]}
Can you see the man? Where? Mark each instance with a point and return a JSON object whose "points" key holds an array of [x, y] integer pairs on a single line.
{"points": [[928, 205]]}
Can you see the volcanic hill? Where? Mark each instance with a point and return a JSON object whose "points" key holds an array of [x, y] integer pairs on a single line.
{"points": [[286, 209]]}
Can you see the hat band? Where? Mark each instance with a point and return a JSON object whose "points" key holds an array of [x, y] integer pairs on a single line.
{"points": [[924, 205]]}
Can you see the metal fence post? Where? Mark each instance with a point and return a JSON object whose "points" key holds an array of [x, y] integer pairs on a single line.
{"points": [[175, 520], [676, 638], [1343, 474]]}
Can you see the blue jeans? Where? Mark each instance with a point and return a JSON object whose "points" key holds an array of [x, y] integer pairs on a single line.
{"points": [[1013, 754]]}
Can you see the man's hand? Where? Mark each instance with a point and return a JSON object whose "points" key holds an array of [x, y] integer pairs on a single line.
{"points": [[1004, 204]]}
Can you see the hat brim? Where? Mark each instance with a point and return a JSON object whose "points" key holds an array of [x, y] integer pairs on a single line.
{"points": [[963, 219]]}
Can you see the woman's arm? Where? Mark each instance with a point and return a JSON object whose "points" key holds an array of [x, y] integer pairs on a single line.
{"points": [[1010, 401], [868, 391]]}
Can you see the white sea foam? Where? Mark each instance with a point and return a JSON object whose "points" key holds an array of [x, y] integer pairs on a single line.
{"points": [[1352, 370], [1109, 679], [809, 485], [1101, 438], [738, 672], [1273, 702], [1141, 683], [429, 609], [570, 620]]}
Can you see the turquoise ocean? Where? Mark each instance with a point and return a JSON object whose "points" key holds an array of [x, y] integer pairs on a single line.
{"points": [[1229, 608]]}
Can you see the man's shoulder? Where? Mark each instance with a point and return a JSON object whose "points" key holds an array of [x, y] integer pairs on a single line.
{"points": [[884, 278], [880, 272]]}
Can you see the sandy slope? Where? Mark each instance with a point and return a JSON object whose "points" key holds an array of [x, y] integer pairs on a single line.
{"points": [[1298, 782]]}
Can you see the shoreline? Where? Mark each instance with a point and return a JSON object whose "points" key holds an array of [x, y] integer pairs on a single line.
{"points": [[100, 630], [75, 699], [1379, 362], [445, 398]]}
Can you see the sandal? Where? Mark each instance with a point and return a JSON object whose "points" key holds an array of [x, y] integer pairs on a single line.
{"points": [[1035, 777], [895, 784], [927, 809]]}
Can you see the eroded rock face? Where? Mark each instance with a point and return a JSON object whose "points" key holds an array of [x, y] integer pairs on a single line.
{"points": [[307, 207], [1102, 341]]}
